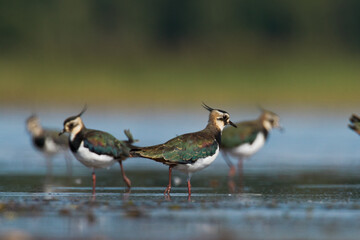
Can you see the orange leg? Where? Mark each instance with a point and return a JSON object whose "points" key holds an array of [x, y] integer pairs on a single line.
{"points": [[168, 188], [189, 187], [94, 181], [232, 170], [126, 179]]}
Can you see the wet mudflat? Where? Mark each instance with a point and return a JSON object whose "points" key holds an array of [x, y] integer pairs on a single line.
{"points": [[304, 184], [272, 204]]}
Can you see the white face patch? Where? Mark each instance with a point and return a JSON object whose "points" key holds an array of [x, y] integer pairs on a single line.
{"points": [[34, 128], [219, 121], [267, 125], [77, 129], [77, 122], [72, 136], [220, 124]]}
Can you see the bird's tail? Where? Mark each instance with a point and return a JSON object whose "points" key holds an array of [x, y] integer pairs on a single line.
{"points": [[135, 152], [130, 136], [131, 140]]}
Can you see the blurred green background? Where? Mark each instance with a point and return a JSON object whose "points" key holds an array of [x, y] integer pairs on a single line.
{"points": [[166, 52]]}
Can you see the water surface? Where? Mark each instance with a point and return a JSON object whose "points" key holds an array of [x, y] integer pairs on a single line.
{"points": [[304, 184]]}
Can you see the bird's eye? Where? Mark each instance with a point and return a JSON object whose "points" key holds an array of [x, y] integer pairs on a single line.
{"points": [[71, 125], [271, 121]]}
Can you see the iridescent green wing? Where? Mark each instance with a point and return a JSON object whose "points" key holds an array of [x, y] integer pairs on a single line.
{"points": [[183, 149], [104, 143], [246, 132]]}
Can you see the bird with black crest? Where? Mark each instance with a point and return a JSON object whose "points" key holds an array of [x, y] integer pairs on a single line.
{"points": [[190, 152], [97, 149], [49, 143]]}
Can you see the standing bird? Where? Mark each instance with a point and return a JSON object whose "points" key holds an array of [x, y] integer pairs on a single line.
{"points": [[355, 123], [190, 152], [247, 138], [48, 142], [96, 149]]}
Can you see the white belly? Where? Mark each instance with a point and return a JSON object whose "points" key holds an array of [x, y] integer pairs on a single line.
{"points": [[51, 147], [246, 150], [93, 160], [198, 165]]}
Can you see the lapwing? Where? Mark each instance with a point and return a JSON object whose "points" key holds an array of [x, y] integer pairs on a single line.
{"points": [[355, 123], [248, 138], [48, 142], [190, 152], [96, 149]]}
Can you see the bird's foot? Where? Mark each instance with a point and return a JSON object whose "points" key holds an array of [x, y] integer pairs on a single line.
{"points": [[93, 197], [167, 197], [167, 190], [189, 198], [127, 182]]}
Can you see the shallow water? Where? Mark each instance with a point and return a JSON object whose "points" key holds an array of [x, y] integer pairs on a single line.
{"points": [[296, 205], [304, 184]]}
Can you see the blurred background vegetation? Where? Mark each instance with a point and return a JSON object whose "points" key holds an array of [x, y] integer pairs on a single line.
{"points": [[166, 52]]}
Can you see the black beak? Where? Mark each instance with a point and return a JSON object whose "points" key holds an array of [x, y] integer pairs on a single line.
{"points": [[62, 132], [232, 124]]}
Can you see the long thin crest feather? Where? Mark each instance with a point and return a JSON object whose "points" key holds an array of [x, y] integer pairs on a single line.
{"points": [[32, 116], [207, 107], [261, 108], [82, 111]]}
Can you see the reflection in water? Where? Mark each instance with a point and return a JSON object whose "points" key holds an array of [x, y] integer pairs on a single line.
{"points": [[314, 200], [235, 186]]}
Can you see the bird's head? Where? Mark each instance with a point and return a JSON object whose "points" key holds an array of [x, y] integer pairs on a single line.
{"points": [[270, 120], [33, 125], [73, 124], [219, 118]]}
